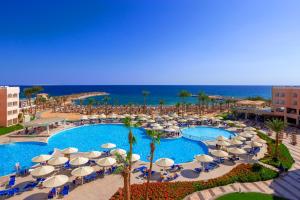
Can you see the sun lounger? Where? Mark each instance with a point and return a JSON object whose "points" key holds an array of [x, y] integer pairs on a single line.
{"points": [[67, 165], [198, 170], [29, 186], [65, 190], [140, 169]]}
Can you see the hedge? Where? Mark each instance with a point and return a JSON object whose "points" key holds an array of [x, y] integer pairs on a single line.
{"points": [[5, 130]]}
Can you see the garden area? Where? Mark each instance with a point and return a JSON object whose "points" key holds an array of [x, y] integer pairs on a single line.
{"points": [[249, 196], [179, 190], [285, 159], [5, 130]]}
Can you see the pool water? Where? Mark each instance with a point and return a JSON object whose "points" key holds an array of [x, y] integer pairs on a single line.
{"points": [[88, 138], [201, 133]]}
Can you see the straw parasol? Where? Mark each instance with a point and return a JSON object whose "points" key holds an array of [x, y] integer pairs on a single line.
{"points": [[170, 130], [42, 171], [69, 150], [93, 154], [79, 161], [41, 158], [235, 142], [164, 162], [236, 151], [134, 157], [204, 158], [249, 129], [259, 140], [256, 144], [84, 117], [106, 162], [239, 138], [108, 146], [219, 153], [55, 181], [246, 135], [118, 151], [221, 137], [251, 132], [232, 129], [57, 161], [82, 171], [223, 143]]}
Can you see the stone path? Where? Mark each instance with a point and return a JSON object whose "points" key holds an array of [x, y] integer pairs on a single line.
{"points": [[287, 185]]}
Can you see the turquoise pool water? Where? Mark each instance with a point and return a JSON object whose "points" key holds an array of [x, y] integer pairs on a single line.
{"points": [[87, 138], [201, 133]]}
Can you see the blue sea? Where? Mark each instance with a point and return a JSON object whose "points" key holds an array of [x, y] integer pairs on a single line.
{"points": [[125, 94]]}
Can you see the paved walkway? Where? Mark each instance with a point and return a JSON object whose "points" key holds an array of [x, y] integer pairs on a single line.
{"points": [[287, 185]]}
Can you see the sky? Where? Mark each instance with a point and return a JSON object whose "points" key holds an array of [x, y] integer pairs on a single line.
{"points": [[151, 42]]}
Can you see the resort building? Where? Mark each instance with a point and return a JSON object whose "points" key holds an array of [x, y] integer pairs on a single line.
{"points": [[9, 105], [286, 104]]}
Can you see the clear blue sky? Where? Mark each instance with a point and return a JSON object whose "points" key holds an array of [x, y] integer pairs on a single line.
{"points": [[150, 42]]}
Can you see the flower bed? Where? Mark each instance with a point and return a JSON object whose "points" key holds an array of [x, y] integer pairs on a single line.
{"points": [[179, 190], [284, 158]]}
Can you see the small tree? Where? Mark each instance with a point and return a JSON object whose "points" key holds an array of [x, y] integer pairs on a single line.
{"points": [[183, 95], [145, 95]]}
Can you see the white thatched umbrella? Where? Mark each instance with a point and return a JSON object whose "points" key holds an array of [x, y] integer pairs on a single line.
{"points": [[102, 116], [259, 140], [55, 181], [232, 129], [108, 146], [239, 138], [106, 162], [79, 161], [93, 154], [249, 129], [256, 144], [221, 137], [246, 135], [57, 161], [164, 162], [69, 150], [235, 142], [118, 151], [82, 171], [42, 171], [223, 143], [134, 157], [219, 153], [41, 158], [84, 117], [236, 151], [204, 158]]}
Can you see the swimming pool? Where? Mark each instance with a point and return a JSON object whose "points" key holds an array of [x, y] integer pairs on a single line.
{"points": [[202, 133], [88, 138]]}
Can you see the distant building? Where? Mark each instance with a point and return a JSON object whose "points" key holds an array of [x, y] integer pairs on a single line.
{"points": [[286, 104], [9, 105]]}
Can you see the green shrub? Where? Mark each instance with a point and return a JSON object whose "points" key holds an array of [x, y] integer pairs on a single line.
{"points": [[5, 130]]}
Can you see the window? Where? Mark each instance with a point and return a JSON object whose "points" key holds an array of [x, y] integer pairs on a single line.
{"points": [[15, 95], [9, 112], [9, 95], [295, 103], [15, 111], [282, 95], [276, 94], [295, 95]]}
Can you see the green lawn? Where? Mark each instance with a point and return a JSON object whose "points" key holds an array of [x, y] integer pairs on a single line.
{"points": [[248, 196], [5, 130]]}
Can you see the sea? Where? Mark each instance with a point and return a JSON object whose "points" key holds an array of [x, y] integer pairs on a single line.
{"points": [[132, 94]]}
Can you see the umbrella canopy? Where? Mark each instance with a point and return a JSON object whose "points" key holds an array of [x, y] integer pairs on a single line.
{"points": [[106, 162], [246, 135], [223, 143], [79, 161], [219, 153], [232, 129], [251, 132], [165, 162], [58, 161], [93, 154], [108, 146], [41, 158], [235, 142], [239, 138], [118, 151], [55, 181], [134, 157], [42, 171], [249, 129], [263, 132], [236, 151], [93, 117], [158, 128], [82, 171], [259, 140], [69, 150], [170, 130], [182, 120], [256, 144], [204, 158], [84, 117], [221, 137], [151, 121]]}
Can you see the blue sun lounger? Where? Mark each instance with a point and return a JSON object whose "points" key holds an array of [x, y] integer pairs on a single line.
{"points": [[65, 190], [140, 169]]}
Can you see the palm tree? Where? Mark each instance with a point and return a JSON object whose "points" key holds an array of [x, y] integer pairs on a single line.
{"points": [[155, 139], [80, 102], [161, 103], [127, 170], [106, 100], [91, 102], [277, 126], [177, 105], [145, 95], [201, 99], [183, 95]]}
